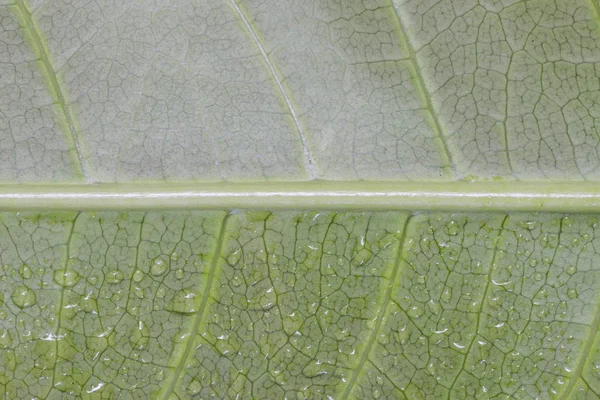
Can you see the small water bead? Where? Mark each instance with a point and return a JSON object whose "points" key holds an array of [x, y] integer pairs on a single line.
{"points": [[179, 274], [185, 302], [571, 269], [138, 276], [415, 312], [452, 229], [23, 297], [572, 293], [114, 276], [25, 271], [139, 292], [538, 276], [174, 256], [446, 295], [159, 267], [533, 262], [5, 339], [65, 278]]}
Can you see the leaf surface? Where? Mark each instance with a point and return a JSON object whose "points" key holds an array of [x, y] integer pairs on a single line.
{"points": [[271, 199]]}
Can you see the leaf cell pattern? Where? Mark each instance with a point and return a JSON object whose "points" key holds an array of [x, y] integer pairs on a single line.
{"points": [[178, 305], [236, 90]]}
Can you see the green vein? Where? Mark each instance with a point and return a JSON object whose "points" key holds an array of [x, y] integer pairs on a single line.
{"points": [[62, 298], [381, 315], [308, 158], [584, 355], [421, 87], [68, 122], [200, 314], [596, 8], [572, 197], [488, 280]]}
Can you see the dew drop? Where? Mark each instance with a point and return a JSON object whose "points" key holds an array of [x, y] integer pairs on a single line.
{"points": [[179, 274], [23, 297], [5, 339], [139, 292], [572, 293], [65, 278], [415, 312], [571, 269], [533, 262], [452, 228], [114, 276], [138, 275], [25, 271], [538, 276], [159, 267], [446, 295], [184, 301]]}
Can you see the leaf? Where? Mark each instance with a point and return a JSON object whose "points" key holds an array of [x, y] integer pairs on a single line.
{"points": [[299, 199]]}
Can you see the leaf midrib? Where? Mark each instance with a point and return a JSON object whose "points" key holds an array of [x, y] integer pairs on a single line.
{"points": [[326, 195]]}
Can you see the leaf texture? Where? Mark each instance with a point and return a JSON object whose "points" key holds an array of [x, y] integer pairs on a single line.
{"points": [[310, 305], [236, 90], [200, 110]]}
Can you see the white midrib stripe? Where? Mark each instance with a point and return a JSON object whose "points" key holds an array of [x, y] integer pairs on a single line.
{"points": [[411, 196]]}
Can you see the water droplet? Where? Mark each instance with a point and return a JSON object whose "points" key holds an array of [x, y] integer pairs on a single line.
{"points": [[452, 228], [138, 276], [5, 339], [159, 267], [65, 278], [174, 256], [434, 307], [446, 295], [184, 301], [161, 292], [571, 269], [180, 274], [114, 276], [25, 271], [420, 279], [234, 258], [139, 292], [415, 312], [531, 225], [572, 293], [538, 276], [533, 262], [361, 257], [195, 387], [23, 297], [140, 336]]}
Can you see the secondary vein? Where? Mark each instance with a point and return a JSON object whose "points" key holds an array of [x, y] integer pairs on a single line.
{"points": [[308, 158], [56, 89], [419, 82], [488, 280], [585, 352], [381, 315], [200, 314]]}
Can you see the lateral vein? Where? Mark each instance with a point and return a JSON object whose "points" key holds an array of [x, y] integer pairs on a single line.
{"points": [[56, 89], [308, 158], [201, 311], [421, 87], [381, 315]]}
